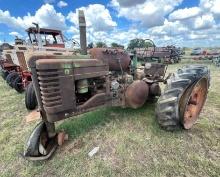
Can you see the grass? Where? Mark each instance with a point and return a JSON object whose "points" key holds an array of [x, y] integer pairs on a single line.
{"points": [[131, 142]]}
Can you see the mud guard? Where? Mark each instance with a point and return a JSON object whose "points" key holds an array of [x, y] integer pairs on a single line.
{"points": [[39, 146]]}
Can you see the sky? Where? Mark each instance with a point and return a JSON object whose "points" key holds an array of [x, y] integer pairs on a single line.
{"points": [[184, 23]]}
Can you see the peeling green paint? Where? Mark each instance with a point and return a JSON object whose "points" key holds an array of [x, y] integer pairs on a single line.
{"points": [[76, 65], [67, 66]]}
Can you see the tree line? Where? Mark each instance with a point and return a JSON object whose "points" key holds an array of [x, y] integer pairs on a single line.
{"points": [[134, 43]]}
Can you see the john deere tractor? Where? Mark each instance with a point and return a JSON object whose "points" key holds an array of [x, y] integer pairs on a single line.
{"points": [[66, 86]]}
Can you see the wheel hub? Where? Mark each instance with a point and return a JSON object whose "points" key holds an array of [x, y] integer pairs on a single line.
{"points": [[195, 103]]}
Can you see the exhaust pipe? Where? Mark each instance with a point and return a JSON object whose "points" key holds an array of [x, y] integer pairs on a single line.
{"points": [[82, 30]]}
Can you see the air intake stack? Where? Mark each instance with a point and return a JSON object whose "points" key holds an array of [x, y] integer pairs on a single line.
{"points": [[82, 30]]}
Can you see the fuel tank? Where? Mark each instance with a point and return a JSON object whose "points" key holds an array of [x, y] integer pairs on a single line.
{"points": [[117, 59]]}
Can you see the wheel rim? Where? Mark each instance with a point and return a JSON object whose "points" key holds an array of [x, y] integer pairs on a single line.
{"points": [[195, 103]]}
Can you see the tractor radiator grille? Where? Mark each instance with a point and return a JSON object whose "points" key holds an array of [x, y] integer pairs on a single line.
{"points": [[50, 88]]}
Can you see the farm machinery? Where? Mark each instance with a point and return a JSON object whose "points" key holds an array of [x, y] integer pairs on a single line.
{"points": [[216, 61], [14, 67], [166, 55], [67, 86], [6, 63], [212, 54]]}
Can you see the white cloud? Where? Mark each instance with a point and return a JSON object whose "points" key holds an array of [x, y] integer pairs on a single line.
{"points": [[206, 4], [215, 9], [14, 33], [45, 16], [169, 28], [157, 20], [201, 22], [149, 14], [62, 4], [73, 30], [211, 6], [97, 17], [123, 37], [7, 19], [204, 22], [197, 36], [193, 27], [186, 13]]}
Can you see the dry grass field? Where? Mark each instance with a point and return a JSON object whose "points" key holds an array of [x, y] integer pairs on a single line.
{"points": [[131, 142]]}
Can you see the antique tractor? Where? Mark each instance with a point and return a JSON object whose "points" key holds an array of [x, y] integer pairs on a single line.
{"points": [[66, 86], [166, 55], [14, 67]]}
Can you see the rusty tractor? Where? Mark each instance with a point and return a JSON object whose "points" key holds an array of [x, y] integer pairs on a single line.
{"points": [[6, 63], [67, 86], [166, 55], [14, 67]]}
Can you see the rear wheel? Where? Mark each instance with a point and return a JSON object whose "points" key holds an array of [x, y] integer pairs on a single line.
{"points": [[192, 103], [183, 99], [30, 97], [17, 84], [11, 77]]}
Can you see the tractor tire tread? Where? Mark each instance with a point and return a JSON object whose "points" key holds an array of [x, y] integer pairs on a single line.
{"points": [[167, 108], [30, 97], [11, 77]]}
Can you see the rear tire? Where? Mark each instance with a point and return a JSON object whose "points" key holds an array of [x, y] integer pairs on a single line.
{"points": [[17, 84], [170, 104], [30, 97], [11, 77]]}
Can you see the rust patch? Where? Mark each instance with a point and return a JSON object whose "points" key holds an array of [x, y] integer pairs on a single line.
{"points": [[195, 104], [117, 59], [137, 94], [61, 137]]}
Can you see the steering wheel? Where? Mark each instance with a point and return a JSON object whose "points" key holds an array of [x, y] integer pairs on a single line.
{"points": [[146, 48]]}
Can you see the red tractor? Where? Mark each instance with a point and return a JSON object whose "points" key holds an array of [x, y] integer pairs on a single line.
{"points": [[14, 64]]}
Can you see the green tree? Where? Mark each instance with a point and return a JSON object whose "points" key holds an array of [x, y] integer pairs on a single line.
{"points": [[116, 45], [90, 45], [101, 45], [139, 43]]}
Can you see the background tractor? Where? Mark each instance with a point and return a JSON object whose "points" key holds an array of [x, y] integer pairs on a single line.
{"points": [[216, 61], [14, 67], [166, 55], [67, 86]]}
